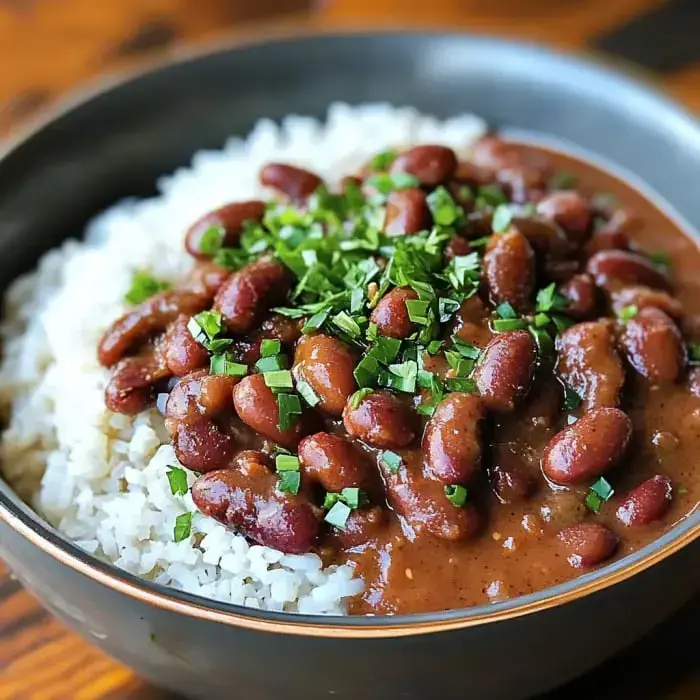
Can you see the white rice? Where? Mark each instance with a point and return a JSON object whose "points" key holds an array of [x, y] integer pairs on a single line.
{"points": [[99, 477]]}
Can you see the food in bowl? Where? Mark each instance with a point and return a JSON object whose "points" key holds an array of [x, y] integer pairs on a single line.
{"points": [[388, 365]]}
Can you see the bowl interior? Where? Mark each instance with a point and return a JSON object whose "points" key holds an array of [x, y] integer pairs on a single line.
{"points": [[115, 143]]}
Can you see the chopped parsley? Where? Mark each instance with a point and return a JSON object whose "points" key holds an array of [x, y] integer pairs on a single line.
{"points": [[385, 183], [143, 287], [289, 482], [205, 326], [502, 217], [211, 240], [383, 161], [357, 398], [626, 313], [549, 299], [289, 408], [183, 527], [225, 364], [445, 211], [599, 493], [177, 478]]}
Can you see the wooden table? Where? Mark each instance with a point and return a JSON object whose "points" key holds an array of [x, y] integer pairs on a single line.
{"points": [[47, 46]]}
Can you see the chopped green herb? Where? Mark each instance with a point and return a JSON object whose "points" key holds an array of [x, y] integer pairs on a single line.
{"points": [[270, 364], [506, 310], [461, 365], [177, 478], [225, 364], [465, 349], [461, 384], [433, 346], [219, 344], [661, 259], [279, 379], [626, 313], [143, 287], [681, 491], [286, 463], [418, 311], [307, 393], [600, 492], [388, 182], [382, 161], [545, 344], [694, 352], [456, 495], [289, 482], [548, 299], [347, 323], [270, 346], [211, 240], [541, 320], [604, 201], [502, 217], [205, 326], [447, 308], [352, 497], [391, 461], [367, 370], [444, 209], [465, 193], [502, 325], [183, 527], [315, 322], [357, 300], [490, 196], [401, 377], [358, 396], [561, 322], [338, 515], [571, 400], [289, 407], [562, 180]]}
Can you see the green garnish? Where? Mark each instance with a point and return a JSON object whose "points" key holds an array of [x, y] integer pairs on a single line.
{"points": [[465, 349], [694, 352], [418, 311], [286, 463], [548, 299], [502, 217], [463, 384], [338, 515], [315, 322], [307, 393], [272, 363], [505, 310], [660, 258], [391, 461], [225, 364], [383, 161], [490, 196], [626, 313], [456, 495], [545, 344], [143, 287], [388, 182], [400, 377], [270, 346], [562, 180], [352, 497], [503, 325], [598, 494], [205, 326], [177, 478], [183, 527], [347, 323], [571, 400], [289, 482], [211, 240], [279, 379], [444, 209], [289, 407], [356, 399]]}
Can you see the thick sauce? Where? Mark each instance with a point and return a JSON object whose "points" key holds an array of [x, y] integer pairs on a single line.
{"points": [[454, 554]]}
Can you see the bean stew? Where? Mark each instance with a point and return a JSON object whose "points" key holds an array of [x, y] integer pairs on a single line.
{"points": [[472, 377]]}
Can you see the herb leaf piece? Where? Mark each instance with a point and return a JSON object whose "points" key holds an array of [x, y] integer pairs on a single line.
{"points": [[177, 478], [183, 527]]}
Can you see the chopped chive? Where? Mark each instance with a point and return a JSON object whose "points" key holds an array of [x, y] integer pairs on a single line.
{"points": [[289, 482], [433, 346], [561, 322], [545, 344], [465, 349], [600, 492], [456, 495], [286, 463], [356, 399], [288, 407], [490, 196], [401, 376], [338, 515], [447, 308], [508, 324], [177, 478], [541, 320], [548, 299], [357, 300], [315, 322], [366, 371], [627, 313], [391, 461], [505, 310], [183, 527], [347, 323], [382, 161], [270, 364], [502, 217], [219, 344], [659, 258], [279, 379], [224, 364], [211, 240], [418, 311], [270, 346], [205, 326], [143, 287], [444, 209], [307, 393]]}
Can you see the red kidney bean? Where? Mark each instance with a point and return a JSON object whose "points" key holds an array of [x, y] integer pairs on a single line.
{"points": [[470, 174], [456, 247], [588, 544], [654, 345], [545, 237], [296, 183], [591, 446], [202, 446], [182, 352], [471, 322], [229, 219], [150, 317], [250, 292], [511, 479], [525, 183], [644, 297], [423, 504], [432, 165], [256, 406], [570, 211], [362, 526], [206, 279], [251, 504], [582, 295], [381, 420], [612, 269], [505, 369], [647, 502], [406, 212], [509, 266], [199, 395], [276, 327], [327, 365], [130, 388], [494, 154], [613, 234], [589, 364], [333, 462], [391, 314], [451, 441]]}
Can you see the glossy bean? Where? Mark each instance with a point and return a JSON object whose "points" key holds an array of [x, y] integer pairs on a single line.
{"points": [[294, 182], [276, 327], [203, 446], [644, 297], [647, 502], [587, 544], [333, 462], [456, 247], [569, 210], [406, 212], [391, 314], [511, 478], [130, 388], [582, 296], [198, 395], [183, 354], [363, 525], [509, 266], [381, 420], [431, 165], [206, 279], [613, 269]]}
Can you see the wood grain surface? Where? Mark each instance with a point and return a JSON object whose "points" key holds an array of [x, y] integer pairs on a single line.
{"points": [[49, 46]]}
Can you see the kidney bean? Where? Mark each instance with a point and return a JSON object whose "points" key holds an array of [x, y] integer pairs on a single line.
{"points": [[647, 502], [471, 322], [391, 314], [182, 352], [451, 441], [130, 388], [492, 153], [456, 247], [206, 279], [152, 316], [588, 448], [644, 297], [381, 420], [202, 446], [654, 346], [333, 462], [505, 369], [327, 364], [362, 526], [612, 269], [276, 327], [511, 479], [423, 504], [525, 184], [296, 183], [256, 406], [432, 165], [250, 503], [545, 237], [570, 211], [582, 295], [589, 364], [509, 266], [199, 395], [470, 174], [250, 292], [588, 544], [229, 219], [406, 212]]}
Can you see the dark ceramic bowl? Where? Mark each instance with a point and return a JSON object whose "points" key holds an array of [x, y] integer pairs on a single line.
{"points": [[117, 141]]}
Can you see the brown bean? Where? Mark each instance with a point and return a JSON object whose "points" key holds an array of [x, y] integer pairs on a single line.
{"points": [[276, 327], [510, 476], [505, 369], [570, 211], [406, 212], [256, 406], [362, 526], [589, 364], [588, 544], [130, 388], [545, 237], [206, 279], [509, 266], [451, 441], [200, 395], [612, 269], [654, 345], [582, 295], [333, 462], [152, 316], [591, 446], [644, 297], [494, 154], [250, 292], [251, 504], [647, 502], [391, 313], [296, 183], [327, 365], [456, 247], [431, 165], [423, 504], [182, 352], [613, 234], [381, 420], [470, 174], [203, 446], [524, 183], [227, 220]]}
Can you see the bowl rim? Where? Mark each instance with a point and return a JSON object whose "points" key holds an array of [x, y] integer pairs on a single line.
{"points": [[29, 525]]}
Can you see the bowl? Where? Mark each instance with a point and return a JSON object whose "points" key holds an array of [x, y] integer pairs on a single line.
{"points": [[117, 140]]}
